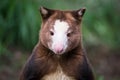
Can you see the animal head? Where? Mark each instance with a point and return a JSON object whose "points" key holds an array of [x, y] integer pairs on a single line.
{"points": [[60, 30]]}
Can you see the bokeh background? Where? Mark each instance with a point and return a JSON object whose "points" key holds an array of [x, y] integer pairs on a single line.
{"points": [[20, 24]]}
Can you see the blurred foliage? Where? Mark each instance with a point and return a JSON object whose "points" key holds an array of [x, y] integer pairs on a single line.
{"points": [[100, 78], [20, 21]]}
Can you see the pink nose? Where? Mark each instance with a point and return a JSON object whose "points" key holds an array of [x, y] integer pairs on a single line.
{"points": [[58, 48]]}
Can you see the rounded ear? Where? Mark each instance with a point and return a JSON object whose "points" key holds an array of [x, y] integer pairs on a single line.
{"points": [[81, 12], [45, 12], [78, 14]]}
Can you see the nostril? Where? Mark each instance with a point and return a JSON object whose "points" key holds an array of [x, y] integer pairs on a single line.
{"points": [[58, 49]]}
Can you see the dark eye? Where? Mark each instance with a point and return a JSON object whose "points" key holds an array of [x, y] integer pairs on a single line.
{"points": [[68, 34], [51, 33]]}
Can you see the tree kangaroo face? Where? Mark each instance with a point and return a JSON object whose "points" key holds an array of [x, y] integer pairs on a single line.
{"points": [[60, 30]]}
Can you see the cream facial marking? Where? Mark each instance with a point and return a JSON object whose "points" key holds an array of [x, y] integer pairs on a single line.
{"points": [[59, 39]]}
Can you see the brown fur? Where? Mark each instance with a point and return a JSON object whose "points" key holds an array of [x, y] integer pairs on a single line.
{"points": [[44, 64], [63, 16]]}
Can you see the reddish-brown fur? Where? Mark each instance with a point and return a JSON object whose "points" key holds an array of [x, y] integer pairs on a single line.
{"points": [[73, 62]]}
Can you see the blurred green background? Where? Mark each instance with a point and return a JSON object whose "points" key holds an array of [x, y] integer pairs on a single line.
{"points": [[20, 23]]}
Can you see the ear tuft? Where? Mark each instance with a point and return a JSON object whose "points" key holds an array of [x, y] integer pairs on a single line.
{"points": [[78, 14], [45, 12], [81, 12]]}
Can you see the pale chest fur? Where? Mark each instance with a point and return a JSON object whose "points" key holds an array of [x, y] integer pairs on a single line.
{"points": [[57, 75]]}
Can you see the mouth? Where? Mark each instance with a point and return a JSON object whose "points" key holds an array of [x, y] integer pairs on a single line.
{"points": [[58, 52]]}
